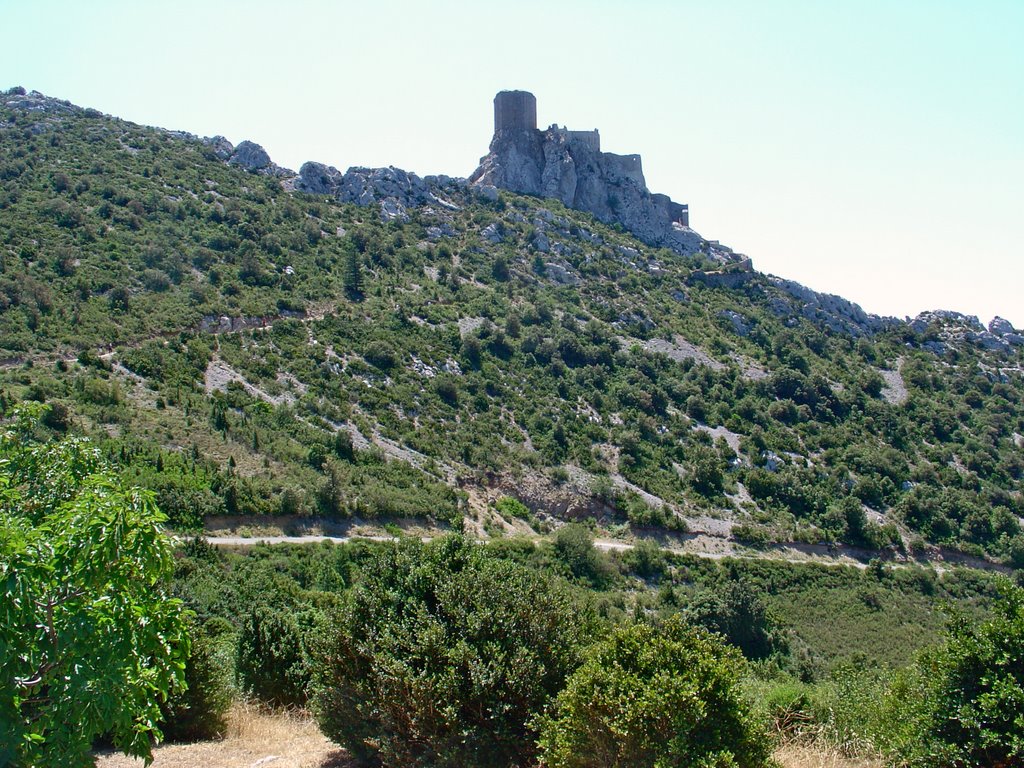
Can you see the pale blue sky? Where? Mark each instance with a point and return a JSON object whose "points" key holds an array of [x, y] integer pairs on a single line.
{"points": [[869, 149]]}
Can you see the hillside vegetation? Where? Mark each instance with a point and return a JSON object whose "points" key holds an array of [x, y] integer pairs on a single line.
{"points": [[244, 349], [474, 366]]}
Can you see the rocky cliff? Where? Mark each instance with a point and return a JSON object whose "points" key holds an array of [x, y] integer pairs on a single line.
{"points": [[567, 165]]}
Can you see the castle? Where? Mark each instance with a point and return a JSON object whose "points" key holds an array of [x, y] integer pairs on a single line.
{"points": [[516, 111]]}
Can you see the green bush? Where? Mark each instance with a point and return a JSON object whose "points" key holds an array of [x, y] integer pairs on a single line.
{"points": [[977, 713], [197, 712], [270, 661], [443, 655], [511, 507], [654, 697], [574, 549], [90, 640], [736, 611]]}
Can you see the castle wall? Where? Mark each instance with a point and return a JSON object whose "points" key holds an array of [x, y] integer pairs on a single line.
{"points": [[515, 110], [590, 139], [629, 166]]}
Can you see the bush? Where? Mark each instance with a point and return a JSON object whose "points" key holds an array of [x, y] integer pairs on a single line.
{"points": [[89, 637], [654, 697], [197, 713], [442, 657], [977, 713], [574, 548], [511, 507], [736, 611], [270, 662]]}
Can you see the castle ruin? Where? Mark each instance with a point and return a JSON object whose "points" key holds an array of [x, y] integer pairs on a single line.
{"points": [[570, 166]]}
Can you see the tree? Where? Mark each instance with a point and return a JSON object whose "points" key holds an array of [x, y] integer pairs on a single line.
{"points": [[976, 712], [651, 697], [197, 712], [574, 548], [352, 277], [443, 655], [736, 611], [90, 643]]}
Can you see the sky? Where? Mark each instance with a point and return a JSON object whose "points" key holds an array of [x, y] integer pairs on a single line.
{"points": [[873, 150]]}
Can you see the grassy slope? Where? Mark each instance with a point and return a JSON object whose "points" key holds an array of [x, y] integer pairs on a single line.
{"points": [[464, 358]]}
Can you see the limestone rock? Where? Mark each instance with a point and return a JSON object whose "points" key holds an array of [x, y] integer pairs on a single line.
{"points": [[221, 147], [492, 233], [250, 156], [568, 166], [253, 158], [833, 312], [392, 188], [1001, 327], [737, 321]]}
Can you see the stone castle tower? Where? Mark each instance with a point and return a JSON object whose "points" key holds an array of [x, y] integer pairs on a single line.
{"points": [[515, 110]]}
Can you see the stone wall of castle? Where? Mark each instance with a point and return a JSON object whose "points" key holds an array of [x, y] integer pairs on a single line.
{"points": [[627, 166], [590, 139]]}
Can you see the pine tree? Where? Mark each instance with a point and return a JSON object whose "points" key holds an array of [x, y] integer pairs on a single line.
{"points": [[353, 275]]}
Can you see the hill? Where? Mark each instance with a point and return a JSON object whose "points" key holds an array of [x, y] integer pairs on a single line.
{"points": [[381, 346]]}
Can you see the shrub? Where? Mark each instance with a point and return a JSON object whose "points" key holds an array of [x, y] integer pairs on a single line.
{"points": [[574, 548], [270, 662], [197, 713], [88, 634], [511, 507], [654, 697], [443, 655], [977, 714], [735, 611]]}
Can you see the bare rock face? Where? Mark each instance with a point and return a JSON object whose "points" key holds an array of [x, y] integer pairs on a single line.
{"points": [[570, 166], [392, 188], [827, 310], [220, 146], [252, 157]]}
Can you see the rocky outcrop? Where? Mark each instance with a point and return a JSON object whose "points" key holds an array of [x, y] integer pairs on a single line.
{"points": [[220, 146], [1005, 331], [567, 165], [34, 101], [947, 327], [825, 309], [250, 156], [570, 166], [394, 189]]}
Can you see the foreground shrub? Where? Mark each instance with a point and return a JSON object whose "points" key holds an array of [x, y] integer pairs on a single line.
{"points": [[270, 662], [90, 642], [977, 714], [443, 655], [654, 697], [197, 712]]}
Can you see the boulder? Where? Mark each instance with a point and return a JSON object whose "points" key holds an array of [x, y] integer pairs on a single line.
{"points": [[1001, 327], [221, 147], [250, 156]]}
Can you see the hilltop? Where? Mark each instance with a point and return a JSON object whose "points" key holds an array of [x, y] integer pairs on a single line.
{"points": [[376, 346]]}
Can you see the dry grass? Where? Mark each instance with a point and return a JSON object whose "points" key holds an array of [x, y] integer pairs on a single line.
{"points": [[254, 737], [796, 755]]}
